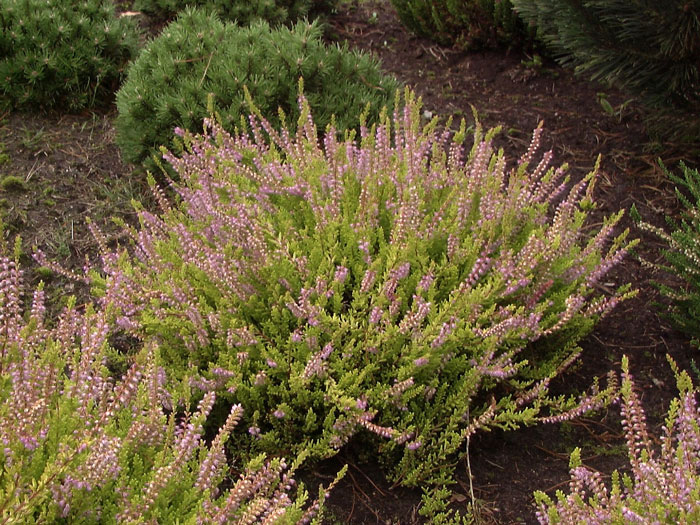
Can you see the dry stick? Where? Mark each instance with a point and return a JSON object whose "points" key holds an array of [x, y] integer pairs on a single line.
{"points": [[469, 469], [368, 479], [587, 422], [362, 499], [352, 509], [364, 81], [355, 485], [205, 70], [565, 482]]}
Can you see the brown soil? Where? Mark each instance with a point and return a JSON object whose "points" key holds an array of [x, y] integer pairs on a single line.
{"points": [[71, 168]]}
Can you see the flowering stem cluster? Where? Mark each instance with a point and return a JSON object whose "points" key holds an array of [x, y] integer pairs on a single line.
{"points": [[389, 285], [79, 445], [663, 487]]}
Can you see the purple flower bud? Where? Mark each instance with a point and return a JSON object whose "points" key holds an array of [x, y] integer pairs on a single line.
{"points": [[421, 361], [402, 271], [341, 273], [260, 378], [426, 281], [375, 315]]}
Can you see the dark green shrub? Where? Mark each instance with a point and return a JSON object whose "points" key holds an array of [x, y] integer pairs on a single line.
{"points": [[468, 24], [243, 12], [198, 55], [682, 254], [62, 53], [648, 47]]}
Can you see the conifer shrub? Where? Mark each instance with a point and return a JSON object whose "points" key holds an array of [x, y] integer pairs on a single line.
{"points": [[62, 54], [663, 485], [682, 254], [242, 12], [82, 445], [649, 48], [198, 56], [468, 24], [400, 287]]}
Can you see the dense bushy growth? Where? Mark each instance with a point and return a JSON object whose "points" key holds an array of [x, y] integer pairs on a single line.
{"points": [[650, 48], [682, 254], [81, 446], [243, 12], [468, 24], [662, 488], [391, 285], [197, 56], [58, 53]]}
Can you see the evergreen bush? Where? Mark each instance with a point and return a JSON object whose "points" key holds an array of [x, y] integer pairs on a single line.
{"points": [[197, 56], [647, 47], [391, 287], [468, 24], [661, 487], [62, 53], [242, 12], [682, 254], [82, 446]]}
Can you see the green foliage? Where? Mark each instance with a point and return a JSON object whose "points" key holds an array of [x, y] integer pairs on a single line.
{"points": [[647, 47], [468, 24], [83, 446], [67, 54], [398, 286], [198, 56], [662, 487], [242, 12], [682, 254]]}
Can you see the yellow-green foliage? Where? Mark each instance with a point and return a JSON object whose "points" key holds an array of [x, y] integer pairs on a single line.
{"points": [[663, 485], [401, 287], [82, 445]]}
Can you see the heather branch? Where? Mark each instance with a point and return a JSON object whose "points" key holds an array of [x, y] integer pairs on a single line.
{"points": [[79, 444], [386, 285], [664, 486]]}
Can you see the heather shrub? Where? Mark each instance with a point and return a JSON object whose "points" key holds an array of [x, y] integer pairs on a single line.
{"points": [[663, 486], [649, 48], [468, 24], [62, 54], [81, 445], [400, 287], [275, 12], [682, 254], [198, 56]]}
